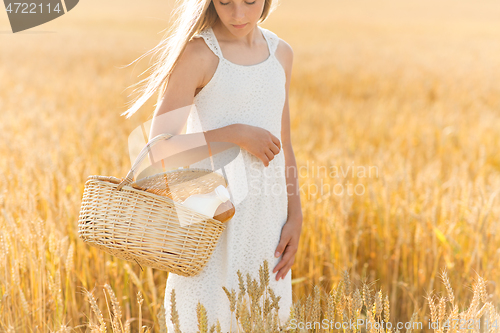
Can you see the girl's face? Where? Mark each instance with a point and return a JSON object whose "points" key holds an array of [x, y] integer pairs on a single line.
{"points": [[239, 16]]}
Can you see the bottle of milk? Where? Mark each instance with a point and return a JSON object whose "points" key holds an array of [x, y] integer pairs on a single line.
{"points": [[208, 203]]}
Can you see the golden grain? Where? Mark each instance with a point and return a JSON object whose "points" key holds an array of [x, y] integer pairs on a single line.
{"points": [[387, 311], [245, 316], [24, 303], [446, 281], [371, 319], [330, 306], [366, 295], [140, 300], [308, 307], [264, 274], [127, 325], [452, 318], [482, 289], [481, 312], [201, 313], [410, 91], [117, 312], [339, 298], [441, 312], [162, 319], [494, 319], [432, 306], [378, 306], [274, 300], [97, 311], [241, 283], [135, 279], [52, 243], [232, 298], [413, 321], [471, 312], [15, 274], [174, 314], [347, 282], [59, 294], [64, 329], [151, 283], [69, 263]]}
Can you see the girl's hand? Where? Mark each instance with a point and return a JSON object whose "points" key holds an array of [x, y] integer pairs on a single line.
{"points": [[259, 142], [289, 242]]}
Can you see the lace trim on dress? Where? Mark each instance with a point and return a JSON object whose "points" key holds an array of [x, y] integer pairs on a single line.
{"points": [[208, 35], [210, 40], [272, 38]]}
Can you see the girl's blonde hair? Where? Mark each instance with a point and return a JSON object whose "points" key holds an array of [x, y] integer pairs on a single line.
{"points": [[190, 17]]}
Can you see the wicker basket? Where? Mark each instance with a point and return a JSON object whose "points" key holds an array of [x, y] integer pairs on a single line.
{"points": [[144, 222]]}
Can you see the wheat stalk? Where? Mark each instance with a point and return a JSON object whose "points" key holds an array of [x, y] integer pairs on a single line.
{"points": [[97, 311], [446, 281], [201, 313], [117, 312], [174, 314]]}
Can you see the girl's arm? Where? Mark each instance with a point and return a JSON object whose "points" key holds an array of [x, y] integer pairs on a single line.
{"points": [[294, 206], [174, 108], [290, 233], [292, 182]]}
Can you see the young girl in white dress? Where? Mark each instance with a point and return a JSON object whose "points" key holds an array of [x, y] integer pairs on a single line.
{"points": [[227, 80]]}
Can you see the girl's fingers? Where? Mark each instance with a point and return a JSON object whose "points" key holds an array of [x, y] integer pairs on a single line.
{"points": [[269, 154], [280, 265], [276, 141], [274, 149], [282, 273], [287, 256]]}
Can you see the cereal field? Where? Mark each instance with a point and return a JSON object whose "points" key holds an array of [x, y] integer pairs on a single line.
{"points": [[395, 111]]}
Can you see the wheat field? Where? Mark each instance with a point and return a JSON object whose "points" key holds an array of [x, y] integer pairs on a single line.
{"points": [[395, 111]]}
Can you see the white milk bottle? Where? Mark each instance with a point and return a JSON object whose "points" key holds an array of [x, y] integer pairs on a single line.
{"points": [[208, 203]]}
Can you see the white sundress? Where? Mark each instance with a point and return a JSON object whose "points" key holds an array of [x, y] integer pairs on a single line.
{"points": [[253, 95]]}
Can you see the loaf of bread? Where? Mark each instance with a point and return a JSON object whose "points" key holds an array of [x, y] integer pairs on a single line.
{"points": [[225, 211]]}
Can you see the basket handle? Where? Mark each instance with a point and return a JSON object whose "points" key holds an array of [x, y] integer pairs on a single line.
{"points": [[163, 136]]}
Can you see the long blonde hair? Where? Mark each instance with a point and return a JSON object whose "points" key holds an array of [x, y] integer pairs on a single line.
{"points": [[190, 17]]}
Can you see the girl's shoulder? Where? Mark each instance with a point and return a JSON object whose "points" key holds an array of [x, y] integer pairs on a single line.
{"points": [[281, 49], [272, 37], [269, 32], [207, 38], [279, 44], [198, 48]]}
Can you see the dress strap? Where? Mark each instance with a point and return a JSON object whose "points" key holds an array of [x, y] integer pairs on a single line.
{"points": [[272, 38], [209, 37]]}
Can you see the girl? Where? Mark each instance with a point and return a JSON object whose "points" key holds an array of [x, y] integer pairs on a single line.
{"points": [[237, 76]]}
